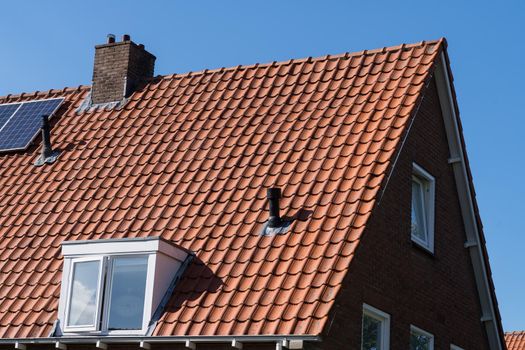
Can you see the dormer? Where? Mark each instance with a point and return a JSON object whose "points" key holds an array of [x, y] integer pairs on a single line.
{"points": [[115, 286]]}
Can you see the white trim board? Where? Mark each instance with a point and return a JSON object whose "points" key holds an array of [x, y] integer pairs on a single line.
{"points": [[466, 199]]}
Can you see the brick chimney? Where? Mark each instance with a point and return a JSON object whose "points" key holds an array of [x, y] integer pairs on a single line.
{"points": [[120, 69]]}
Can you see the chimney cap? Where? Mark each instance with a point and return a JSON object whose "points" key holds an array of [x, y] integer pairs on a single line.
{"points": [[126, 37], [111, 38]]}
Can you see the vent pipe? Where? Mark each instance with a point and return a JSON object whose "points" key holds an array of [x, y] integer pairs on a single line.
{"points": [[274, 194], [47, 155], [47, 150]]}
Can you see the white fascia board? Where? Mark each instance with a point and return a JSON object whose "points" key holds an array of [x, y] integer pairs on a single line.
{"points": [[122, 246], [472, 230]]}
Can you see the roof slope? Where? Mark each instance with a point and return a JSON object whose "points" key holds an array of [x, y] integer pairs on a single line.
{"points": [[515, 340], [189, 158]]}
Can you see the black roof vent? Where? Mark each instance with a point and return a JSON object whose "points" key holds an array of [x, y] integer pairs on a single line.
{"points": [[275, 224], [48, 155], [274, 195]]}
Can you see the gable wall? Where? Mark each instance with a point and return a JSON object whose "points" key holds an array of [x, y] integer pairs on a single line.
{"points": [[436, 293]]}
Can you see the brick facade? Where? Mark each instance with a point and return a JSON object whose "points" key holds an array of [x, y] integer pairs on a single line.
{"points": [[119, 69], [434, 292]]}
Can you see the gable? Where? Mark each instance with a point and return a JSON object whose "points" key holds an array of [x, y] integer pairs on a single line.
{"points": [[433, 291]]}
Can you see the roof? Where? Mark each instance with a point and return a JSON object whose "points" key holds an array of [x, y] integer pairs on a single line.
{"points": [[515, 340], [189, 159]]}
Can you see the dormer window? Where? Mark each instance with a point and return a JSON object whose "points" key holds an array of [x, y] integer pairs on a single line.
{"points": [[422, 218], [115, 286]]}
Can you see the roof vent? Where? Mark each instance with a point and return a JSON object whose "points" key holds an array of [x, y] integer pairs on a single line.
{"points": [[276, 224], [274, 195], [48, 155]]}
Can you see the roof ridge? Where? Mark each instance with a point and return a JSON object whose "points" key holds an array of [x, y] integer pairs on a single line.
{"points": [[43, 93], [309, 59]]}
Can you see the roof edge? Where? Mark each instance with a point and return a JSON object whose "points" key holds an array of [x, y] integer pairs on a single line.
{"points": [[165, 339], [474, 231]]}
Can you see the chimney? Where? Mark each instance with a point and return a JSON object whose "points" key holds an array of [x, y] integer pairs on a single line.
{"points": [[120, 69]]}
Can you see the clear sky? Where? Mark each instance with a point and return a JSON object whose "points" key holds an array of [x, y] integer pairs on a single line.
{"points": [[49, 44]]}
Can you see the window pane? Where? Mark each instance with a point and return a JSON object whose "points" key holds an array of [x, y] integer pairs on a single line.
{"points": [[419, 341], [83, 302], [128, 286], [371, 333], [418, 210]]}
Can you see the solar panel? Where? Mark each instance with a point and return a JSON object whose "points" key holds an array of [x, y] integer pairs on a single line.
{"points": [[6, 111], [20, 128]]}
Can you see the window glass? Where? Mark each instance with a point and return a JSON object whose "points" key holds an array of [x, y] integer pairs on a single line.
{"points": [[83, 301], [128, 286], [418, 211], [420, 341], [371, 333]]}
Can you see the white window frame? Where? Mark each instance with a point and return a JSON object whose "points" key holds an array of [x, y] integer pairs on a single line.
{"points": [[381, 316], [428, 183], [414, 329], [163, 261], [108, 287], [455, 347], [101, 270]]}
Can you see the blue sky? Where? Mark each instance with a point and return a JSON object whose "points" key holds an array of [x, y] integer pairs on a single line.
{"points": [[50, 45]]}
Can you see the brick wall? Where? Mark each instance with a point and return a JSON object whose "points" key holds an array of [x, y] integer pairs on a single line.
{"points": [[120, 69], [434, 292]]}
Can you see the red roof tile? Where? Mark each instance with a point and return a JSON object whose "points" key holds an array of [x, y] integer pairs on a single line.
{"points": [[515, 340], [189, 158]]}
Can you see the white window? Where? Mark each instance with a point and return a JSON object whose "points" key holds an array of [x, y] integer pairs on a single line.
{"points": [[375, 333], [115, 286], [422, 218], [420, 339]]}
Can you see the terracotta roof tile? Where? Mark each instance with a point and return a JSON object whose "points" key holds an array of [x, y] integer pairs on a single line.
{"points": [[515, 340], [188, 158]]}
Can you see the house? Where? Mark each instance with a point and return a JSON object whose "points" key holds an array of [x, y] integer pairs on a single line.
{"points": [[320, 203], [515, 340]]}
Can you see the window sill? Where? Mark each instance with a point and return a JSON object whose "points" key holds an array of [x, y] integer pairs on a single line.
{"points": [[423, 249]]}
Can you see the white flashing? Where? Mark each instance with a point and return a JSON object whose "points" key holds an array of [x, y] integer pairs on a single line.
{"points": [[466, 201]]}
